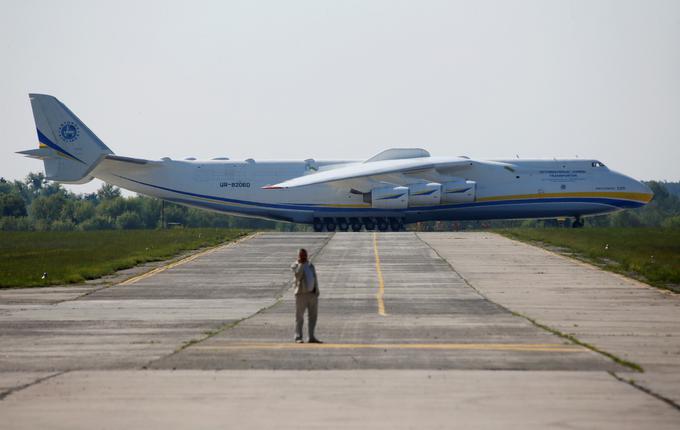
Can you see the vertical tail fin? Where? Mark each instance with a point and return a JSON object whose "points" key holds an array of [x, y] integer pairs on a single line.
{"points": [[67, 147]]}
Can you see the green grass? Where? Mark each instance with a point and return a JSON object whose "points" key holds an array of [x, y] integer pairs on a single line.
{"points": [[649, 254], [70, 257]]}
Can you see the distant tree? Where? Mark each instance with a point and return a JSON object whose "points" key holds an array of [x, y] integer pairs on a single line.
{"points": [[91, 197], [129, 220], [11, 204], [108, 192], [626, 219], [48, 208], [149, 211], [673, 188], [35, 181], [176, 213], [83, 210], [672, 222], [51, 188], [111, 208]]}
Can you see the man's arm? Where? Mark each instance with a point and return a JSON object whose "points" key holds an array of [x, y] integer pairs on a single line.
{"points": [[298, 270], [316, 281]]}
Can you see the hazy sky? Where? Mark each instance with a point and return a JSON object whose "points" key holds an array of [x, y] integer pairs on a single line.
{"points": [[347, 79]]}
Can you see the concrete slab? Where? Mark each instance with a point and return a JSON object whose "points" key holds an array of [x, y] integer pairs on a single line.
{"points": [[433, 320], [622, 316], [382, 399]]}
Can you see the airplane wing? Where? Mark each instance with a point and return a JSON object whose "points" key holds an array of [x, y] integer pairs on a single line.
{"points": [[379, 171]]}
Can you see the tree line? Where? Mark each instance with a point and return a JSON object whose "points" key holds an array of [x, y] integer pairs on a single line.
{"points": [[38, 204]]}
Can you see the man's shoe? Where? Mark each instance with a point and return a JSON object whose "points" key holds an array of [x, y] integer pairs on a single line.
{"points": [[314, 340], [299, 340]]}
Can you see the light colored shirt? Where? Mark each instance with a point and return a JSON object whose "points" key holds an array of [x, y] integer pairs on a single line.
{"points": [[309, 277]]}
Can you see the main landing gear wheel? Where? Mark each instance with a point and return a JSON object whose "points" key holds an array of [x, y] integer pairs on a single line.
{"points": [[318, 225], [330, 224], [369, 224], [578, 223], [355, 224], [342, 224], [382, 225], [395, 225]]}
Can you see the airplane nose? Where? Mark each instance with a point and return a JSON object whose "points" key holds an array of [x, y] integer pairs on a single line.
{"points": [[642, 188]]}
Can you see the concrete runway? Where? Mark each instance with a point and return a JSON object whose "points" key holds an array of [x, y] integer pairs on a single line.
{"points": [[421, 331]]}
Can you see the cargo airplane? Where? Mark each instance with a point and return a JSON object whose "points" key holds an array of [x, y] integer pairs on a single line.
{"points": [[393, 188]]}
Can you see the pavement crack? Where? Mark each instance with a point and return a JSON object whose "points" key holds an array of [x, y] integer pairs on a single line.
{"points": [[211, 333], [646, 390], [16, 389], [571, 338]]}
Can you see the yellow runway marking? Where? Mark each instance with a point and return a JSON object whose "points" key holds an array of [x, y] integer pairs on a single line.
{"points": [[522, 347], [158, 270], [381, 284]]}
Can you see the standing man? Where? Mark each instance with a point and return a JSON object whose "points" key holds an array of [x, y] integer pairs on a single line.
{"points": [[306, 295]]}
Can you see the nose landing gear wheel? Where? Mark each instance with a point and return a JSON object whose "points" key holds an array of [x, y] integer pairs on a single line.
{"points": [[578, 223]]}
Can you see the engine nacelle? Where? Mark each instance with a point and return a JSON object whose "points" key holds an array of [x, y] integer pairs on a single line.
{"points": [[424, 194], [461, 191], [389, 198]]}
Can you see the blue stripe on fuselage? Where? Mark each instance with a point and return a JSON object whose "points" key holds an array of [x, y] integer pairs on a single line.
{"points": [[624, 204]]}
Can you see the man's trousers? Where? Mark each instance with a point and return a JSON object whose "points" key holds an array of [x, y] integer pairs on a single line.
{"points": [[310, 302]]}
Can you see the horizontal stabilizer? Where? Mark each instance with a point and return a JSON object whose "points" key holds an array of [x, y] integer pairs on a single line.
{"points": [[40, 153]]}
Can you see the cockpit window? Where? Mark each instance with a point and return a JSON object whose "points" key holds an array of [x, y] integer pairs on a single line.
{"points": [[598, 164]]}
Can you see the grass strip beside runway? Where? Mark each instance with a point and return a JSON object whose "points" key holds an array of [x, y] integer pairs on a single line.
{"points": [[70, 257], [651, 255]]}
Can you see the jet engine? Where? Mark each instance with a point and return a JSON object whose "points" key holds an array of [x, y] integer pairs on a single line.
{"points": [[389, 198], [460, 191], [425, 194]]}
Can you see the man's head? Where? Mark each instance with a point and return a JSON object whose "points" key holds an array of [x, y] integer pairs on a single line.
{"points": [[302, 255]]}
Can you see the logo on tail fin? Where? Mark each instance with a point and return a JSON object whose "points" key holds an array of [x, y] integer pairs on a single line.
{"points": [[69, 131]]}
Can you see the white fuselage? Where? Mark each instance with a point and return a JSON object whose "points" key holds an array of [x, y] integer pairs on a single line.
{"points": [[530, 189]]}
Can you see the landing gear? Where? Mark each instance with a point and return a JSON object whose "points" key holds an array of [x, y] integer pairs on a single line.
{"points": [[395, 224], [330, 224], [578, 222], [355, 224]]}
